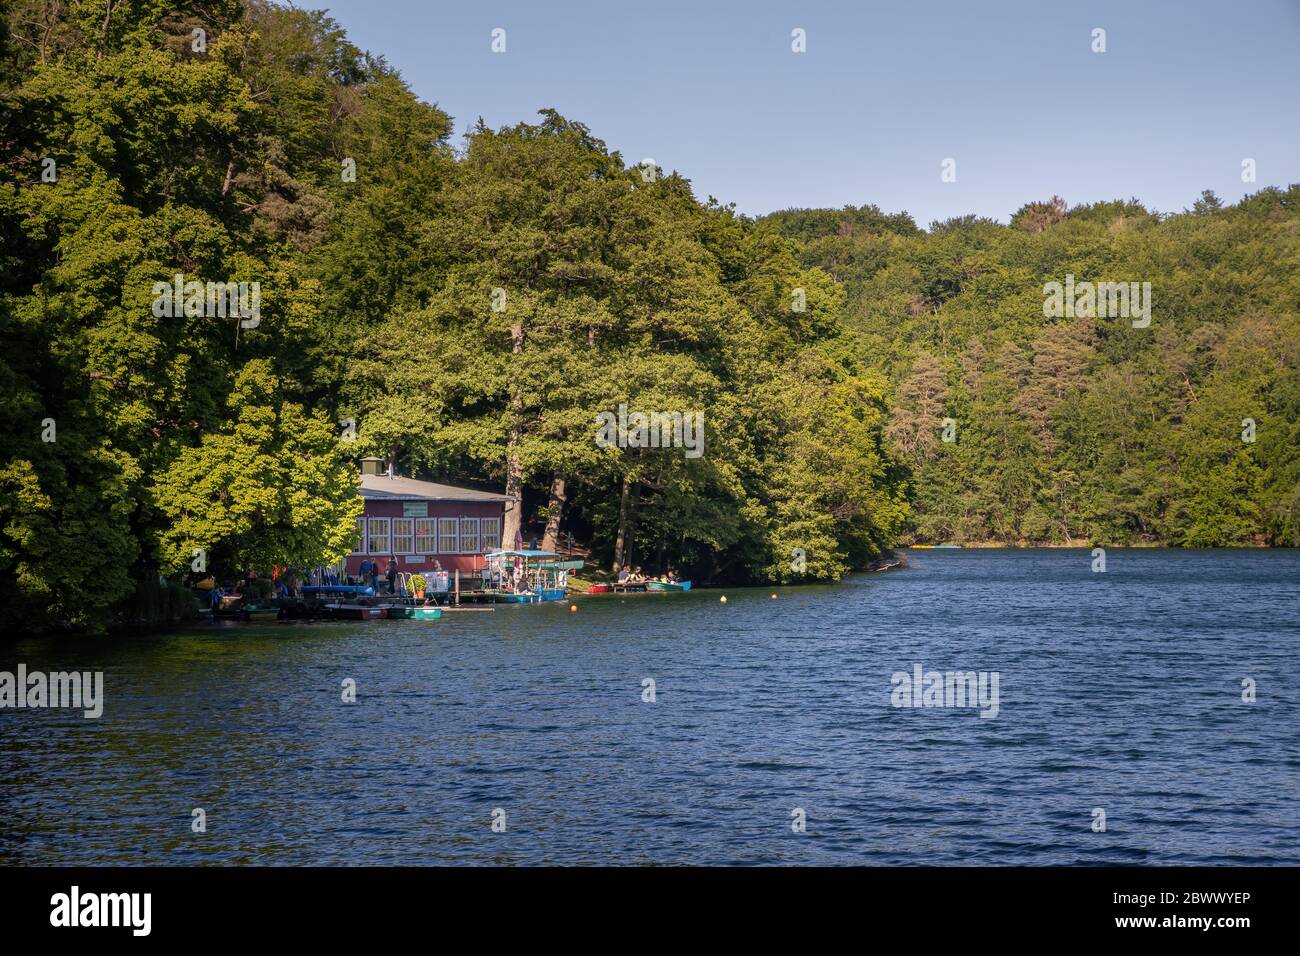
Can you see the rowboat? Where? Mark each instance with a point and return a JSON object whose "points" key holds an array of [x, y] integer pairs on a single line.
{"points": [[355, 612], [262, 613], [415, 613], [668, 585], [530, 597], [599, 589]]}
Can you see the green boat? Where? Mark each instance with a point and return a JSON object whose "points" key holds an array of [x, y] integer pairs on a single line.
{"points": [[415, 613], [262, 613], [668, 585]]}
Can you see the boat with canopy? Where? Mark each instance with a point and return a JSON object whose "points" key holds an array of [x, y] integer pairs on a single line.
{"points": [[526, 577]]}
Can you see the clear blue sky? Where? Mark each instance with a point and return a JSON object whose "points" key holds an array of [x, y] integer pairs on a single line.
{"points": [[885, 92]]}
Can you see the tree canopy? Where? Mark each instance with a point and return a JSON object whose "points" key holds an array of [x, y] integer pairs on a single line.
{"points": [[474, 308]]}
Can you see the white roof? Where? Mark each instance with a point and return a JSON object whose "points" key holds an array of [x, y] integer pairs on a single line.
{"points": [[383, 487]]}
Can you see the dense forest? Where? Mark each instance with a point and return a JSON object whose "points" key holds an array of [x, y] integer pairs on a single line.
{"points": [[466, 309]]}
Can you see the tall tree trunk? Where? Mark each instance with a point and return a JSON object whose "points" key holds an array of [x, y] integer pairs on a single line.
{"points": [[626, 505], [554, 508], [512, 525]]}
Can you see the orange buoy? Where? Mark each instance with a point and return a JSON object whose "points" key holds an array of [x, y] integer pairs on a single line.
{"points": [[573, 608]]}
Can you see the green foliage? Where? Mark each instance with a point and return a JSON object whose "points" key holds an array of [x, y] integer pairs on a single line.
{"points": [[1068, 431], [825, 348], [273, 486]]}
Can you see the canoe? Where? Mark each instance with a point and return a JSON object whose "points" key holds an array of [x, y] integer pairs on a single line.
{"points": [[668, 585], [598, 589], [415, 613], [531, 597], [262, 613], [356, 612]]}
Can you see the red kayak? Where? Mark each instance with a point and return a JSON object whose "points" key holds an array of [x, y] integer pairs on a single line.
{"points": [[598, 589]]}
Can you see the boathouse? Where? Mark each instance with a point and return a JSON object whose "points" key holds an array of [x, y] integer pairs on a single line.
{"points": [[420, 522]]}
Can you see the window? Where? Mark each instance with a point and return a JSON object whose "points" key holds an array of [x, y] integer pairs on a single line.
{"points": [[447, 536], [402, 535], [361, 537], [490, 532], [379, 536], [426, 541], [469, 535]]}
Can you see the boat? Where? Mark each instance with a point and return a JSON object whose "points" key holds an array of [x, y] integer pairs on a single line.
{"points": [[364, 590], [599, 589], [262, 614], [668, 585], [525, 577], [355, 612], [415, 613]]}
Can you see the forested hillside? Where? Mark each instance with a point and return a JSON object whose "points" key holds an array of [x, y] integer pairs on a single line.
{"points": [[465, 309], [1184, 431]]}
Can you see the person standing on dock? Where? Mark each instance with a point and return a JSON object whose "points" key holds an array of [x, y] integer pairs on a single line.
{"points": [[391, 574]]}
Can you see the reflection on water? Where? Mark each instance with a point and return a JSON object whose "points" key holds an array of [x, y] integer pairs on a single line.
{"points": [[1119, 691]]}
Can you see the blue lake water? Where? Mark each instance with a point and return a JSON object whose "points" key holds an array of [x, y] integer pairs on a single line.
{"points": [[1119, 691]]}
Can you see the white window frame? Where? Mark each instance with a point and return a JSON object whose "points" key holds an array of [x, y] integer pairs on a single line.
{"points": [[408, 538], [466, 521], [371, 526], [493, 542], [455, 535], [362, 527], [428, 542]]}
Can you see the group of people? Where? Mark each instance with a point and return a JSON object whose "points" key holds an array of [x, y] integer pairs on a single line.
{"points": [[369, 571], [287, 582], [635, 576], [370, 574]]}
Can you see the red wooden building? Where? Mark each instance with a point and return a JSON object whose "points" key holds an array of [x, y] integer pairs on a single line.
{"points": [[420, 522]]}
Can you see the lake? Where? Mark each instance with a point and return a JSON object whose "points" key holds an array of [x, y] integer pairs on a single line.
{"points": [[1119, 692]]}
